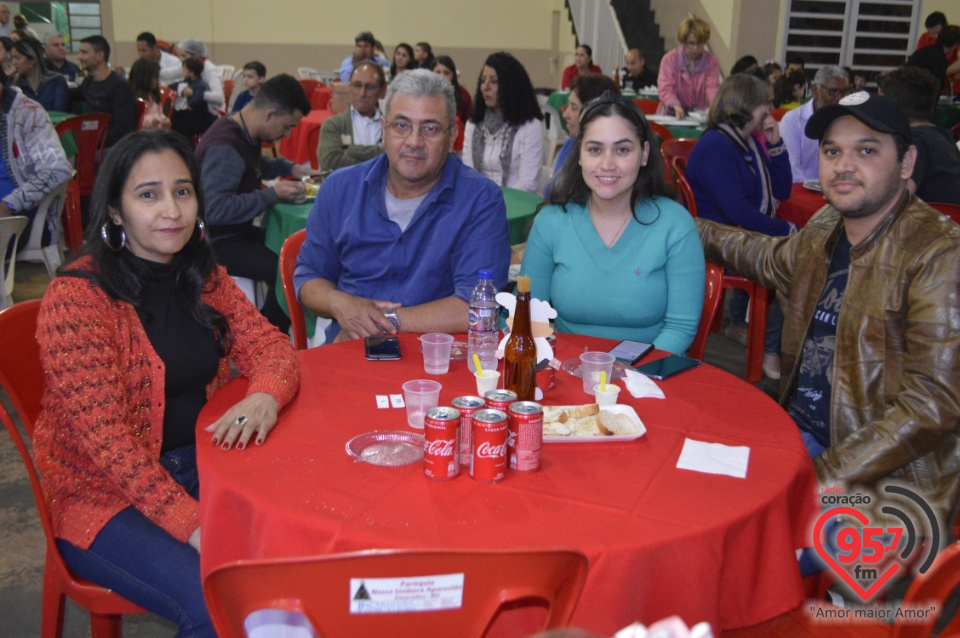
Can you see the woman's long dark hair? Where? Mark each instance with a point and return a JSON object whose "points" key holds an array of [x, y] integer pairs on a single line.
{"points": [[412, 64], [141, 78], [119, 273], [447, 61], [518, 102], [569, 185]]}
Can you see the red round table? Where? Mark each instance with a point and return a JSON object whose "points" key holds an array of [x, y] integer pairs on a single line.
{"points": [[660, 540], [294, 146], [801, 206]]}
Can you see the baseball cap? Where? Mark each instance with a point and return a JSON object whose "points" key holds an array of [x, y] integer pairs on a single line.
{"points": [[876, 111]]}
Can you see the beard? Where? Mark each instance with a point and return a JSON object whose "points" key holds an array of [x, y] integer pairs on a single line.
{"points": [[871, 202]]}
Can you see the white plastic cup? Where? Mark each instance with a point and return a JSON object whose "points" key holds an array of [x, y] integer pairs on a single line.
{"points": [[419, 396], [488, 381], [436, 352], [608, 396], [591, 364]]}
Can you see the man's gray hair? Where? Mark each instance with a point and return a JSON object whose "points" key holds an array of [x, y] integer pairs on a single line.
{"points": [[50, 35], [830, 72], [423, 83]]}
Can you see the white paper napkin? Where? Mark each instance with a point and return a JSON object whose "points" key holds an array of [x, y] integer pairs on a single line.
{"points": [[640, 386], [714, 458]]}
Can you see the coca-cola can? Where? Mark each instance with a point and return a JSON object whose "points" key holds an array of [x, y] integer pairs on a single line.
{"points": [[525, 436], [488, 463], [467, 406], [500, 399], [441, 443]]}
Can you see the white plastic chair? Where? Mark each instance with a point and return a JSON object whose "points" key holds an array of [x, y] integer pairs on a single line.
{"points": [[226, 71], [306, 73], [255, 291], [52, 255], [10, 229]]}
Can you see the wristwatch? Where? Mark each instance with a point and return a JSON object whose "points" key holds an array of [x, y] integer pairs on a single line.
{"points": [[391, 315]]}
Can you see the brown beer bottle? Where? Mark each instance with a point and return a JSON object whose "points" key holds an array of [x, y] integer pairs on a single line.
{"points": [[520, 353]]}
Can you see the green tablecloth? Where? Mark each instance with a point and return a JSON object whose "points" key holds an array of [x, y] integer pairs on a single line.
{"points": [[282, 220], [69, 142], [947, 115]]}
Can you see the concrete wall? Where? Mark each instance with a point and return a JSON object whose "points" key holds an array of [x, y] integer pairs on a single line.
{"points": [[286, 34]]}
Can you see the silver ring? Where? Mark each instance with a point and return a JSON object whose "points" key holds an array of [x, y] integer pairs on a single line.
{"points": [[241, 420]]}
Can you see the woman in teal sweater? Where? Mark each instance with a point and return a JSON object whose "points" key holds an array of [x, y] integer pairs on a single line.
{"points": [[614, 255]]}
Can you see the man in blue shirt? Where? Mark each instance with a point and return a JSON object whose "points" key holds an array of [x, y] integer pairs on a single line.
{"points": [[395, 243]]}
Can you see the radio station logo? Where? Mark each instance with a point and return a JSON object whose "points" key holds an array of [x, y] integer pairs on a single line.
{"points": [[868, 555]]}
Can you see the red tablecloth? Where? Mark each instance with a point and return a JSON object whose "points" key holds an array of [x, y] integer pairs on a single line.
{"points": [[660, 540], [320, 98], [801, 206], [294, 146]]}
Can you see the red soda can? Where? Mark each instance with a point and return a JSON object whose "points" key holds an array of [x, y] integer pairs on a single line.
{"points": [[488, 462], [525, 436], [500, 399], [467, 406], [441, 443]]}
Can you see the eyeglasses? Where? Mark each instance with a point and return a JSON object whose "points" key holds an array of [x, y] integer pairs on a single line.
{"points": [[403, 129], [694, 45], [369, 88]]}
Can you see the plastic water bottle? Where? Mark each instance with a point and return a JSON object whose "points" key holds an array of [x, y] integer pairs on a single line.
{"points": [[484, 324]]}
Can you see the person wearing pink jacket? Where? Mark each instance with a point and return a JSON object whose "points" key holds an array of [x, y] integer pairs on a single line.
{"points": [[689, 76]]}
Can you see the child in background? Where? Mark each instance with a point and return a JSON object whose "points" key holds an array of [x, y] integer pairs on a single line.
{"points": [[254, 75], [192, 117]]}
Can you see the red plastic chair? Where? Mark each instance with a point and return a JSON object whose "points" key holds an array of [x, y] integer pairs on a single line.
{"points": [[461, 129], [711, 303], [320, 589], [648, 107], [778, 113], [684, 191], [22, 380], [228, 86], [168, 98], [950, 210], [313, 142], [926, 591], [956, 132], [675, 147], [72, 217], [90, 131], [661, 131], [288, 263], [309, 86]]}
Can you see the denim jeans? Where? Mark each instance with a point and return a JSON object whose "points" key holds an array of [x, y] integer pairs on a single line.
{"points": [[738, 315], [140, 561]]}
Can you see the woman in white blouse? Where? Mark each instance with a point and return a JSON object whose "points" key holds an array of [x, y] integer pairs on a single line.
{"points": [[504, 137]]}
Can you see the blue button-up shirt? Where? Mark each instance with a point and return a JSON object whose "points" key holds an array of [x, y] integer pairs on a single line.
{"points": [[459, 228]]}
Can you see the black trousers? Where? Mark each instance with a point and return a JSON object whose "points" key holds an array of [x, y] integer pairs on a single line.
{"points": [[245, 255]]}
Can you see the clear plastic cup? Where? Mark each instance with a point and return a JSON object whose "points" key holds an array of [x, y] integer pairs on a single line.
{"points": [[420, 395], [488, 381], [591, 364], [436, 352], [608, 396]]}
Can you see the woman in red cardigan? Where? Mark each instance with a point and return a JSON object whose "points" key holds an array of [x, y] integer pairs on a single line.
{"points": [[583, 63], [134, 336]]}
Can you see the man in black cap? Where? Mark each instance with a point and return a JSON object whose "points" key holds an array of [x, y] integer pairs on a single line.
{"points": [[871, 333]]}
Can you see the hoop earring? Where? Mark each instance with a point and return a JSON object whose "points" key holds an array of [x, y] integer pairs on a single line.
{"points": [[202, 229], [105, 236]]}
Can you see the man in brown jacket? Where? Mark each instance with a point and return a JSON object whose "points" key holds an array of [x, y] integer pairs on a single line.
{"points": [[871, 364]]}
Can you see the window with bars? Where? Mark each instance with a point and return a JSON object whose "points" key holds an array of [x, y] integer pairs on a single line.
{"points": [[867, 36], [75, 20]]}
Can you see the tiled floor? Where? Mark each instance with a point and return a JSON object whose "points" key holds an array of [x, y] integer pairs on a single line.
{"points": [[21, 537]]}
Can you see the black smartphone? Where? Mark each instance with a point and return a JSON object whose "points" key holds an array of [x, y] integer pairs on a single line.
{"points": [[667, 366], [382, 348], [629, 352]]}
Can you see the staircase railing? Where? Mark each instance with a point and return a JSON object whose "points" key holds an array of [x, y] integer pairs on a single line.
{"points": [[596, 24]]}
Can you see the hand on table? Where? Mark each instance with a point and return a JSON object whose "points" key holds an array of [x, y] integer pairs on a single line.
{"points": [[360, 317], [255, 413], [290, 192], [679, 112]]}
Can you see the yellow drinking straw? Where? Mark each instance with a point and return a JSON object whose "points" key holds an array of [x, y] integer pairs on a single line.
{"points": [[603, 381], [476, 362]]}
